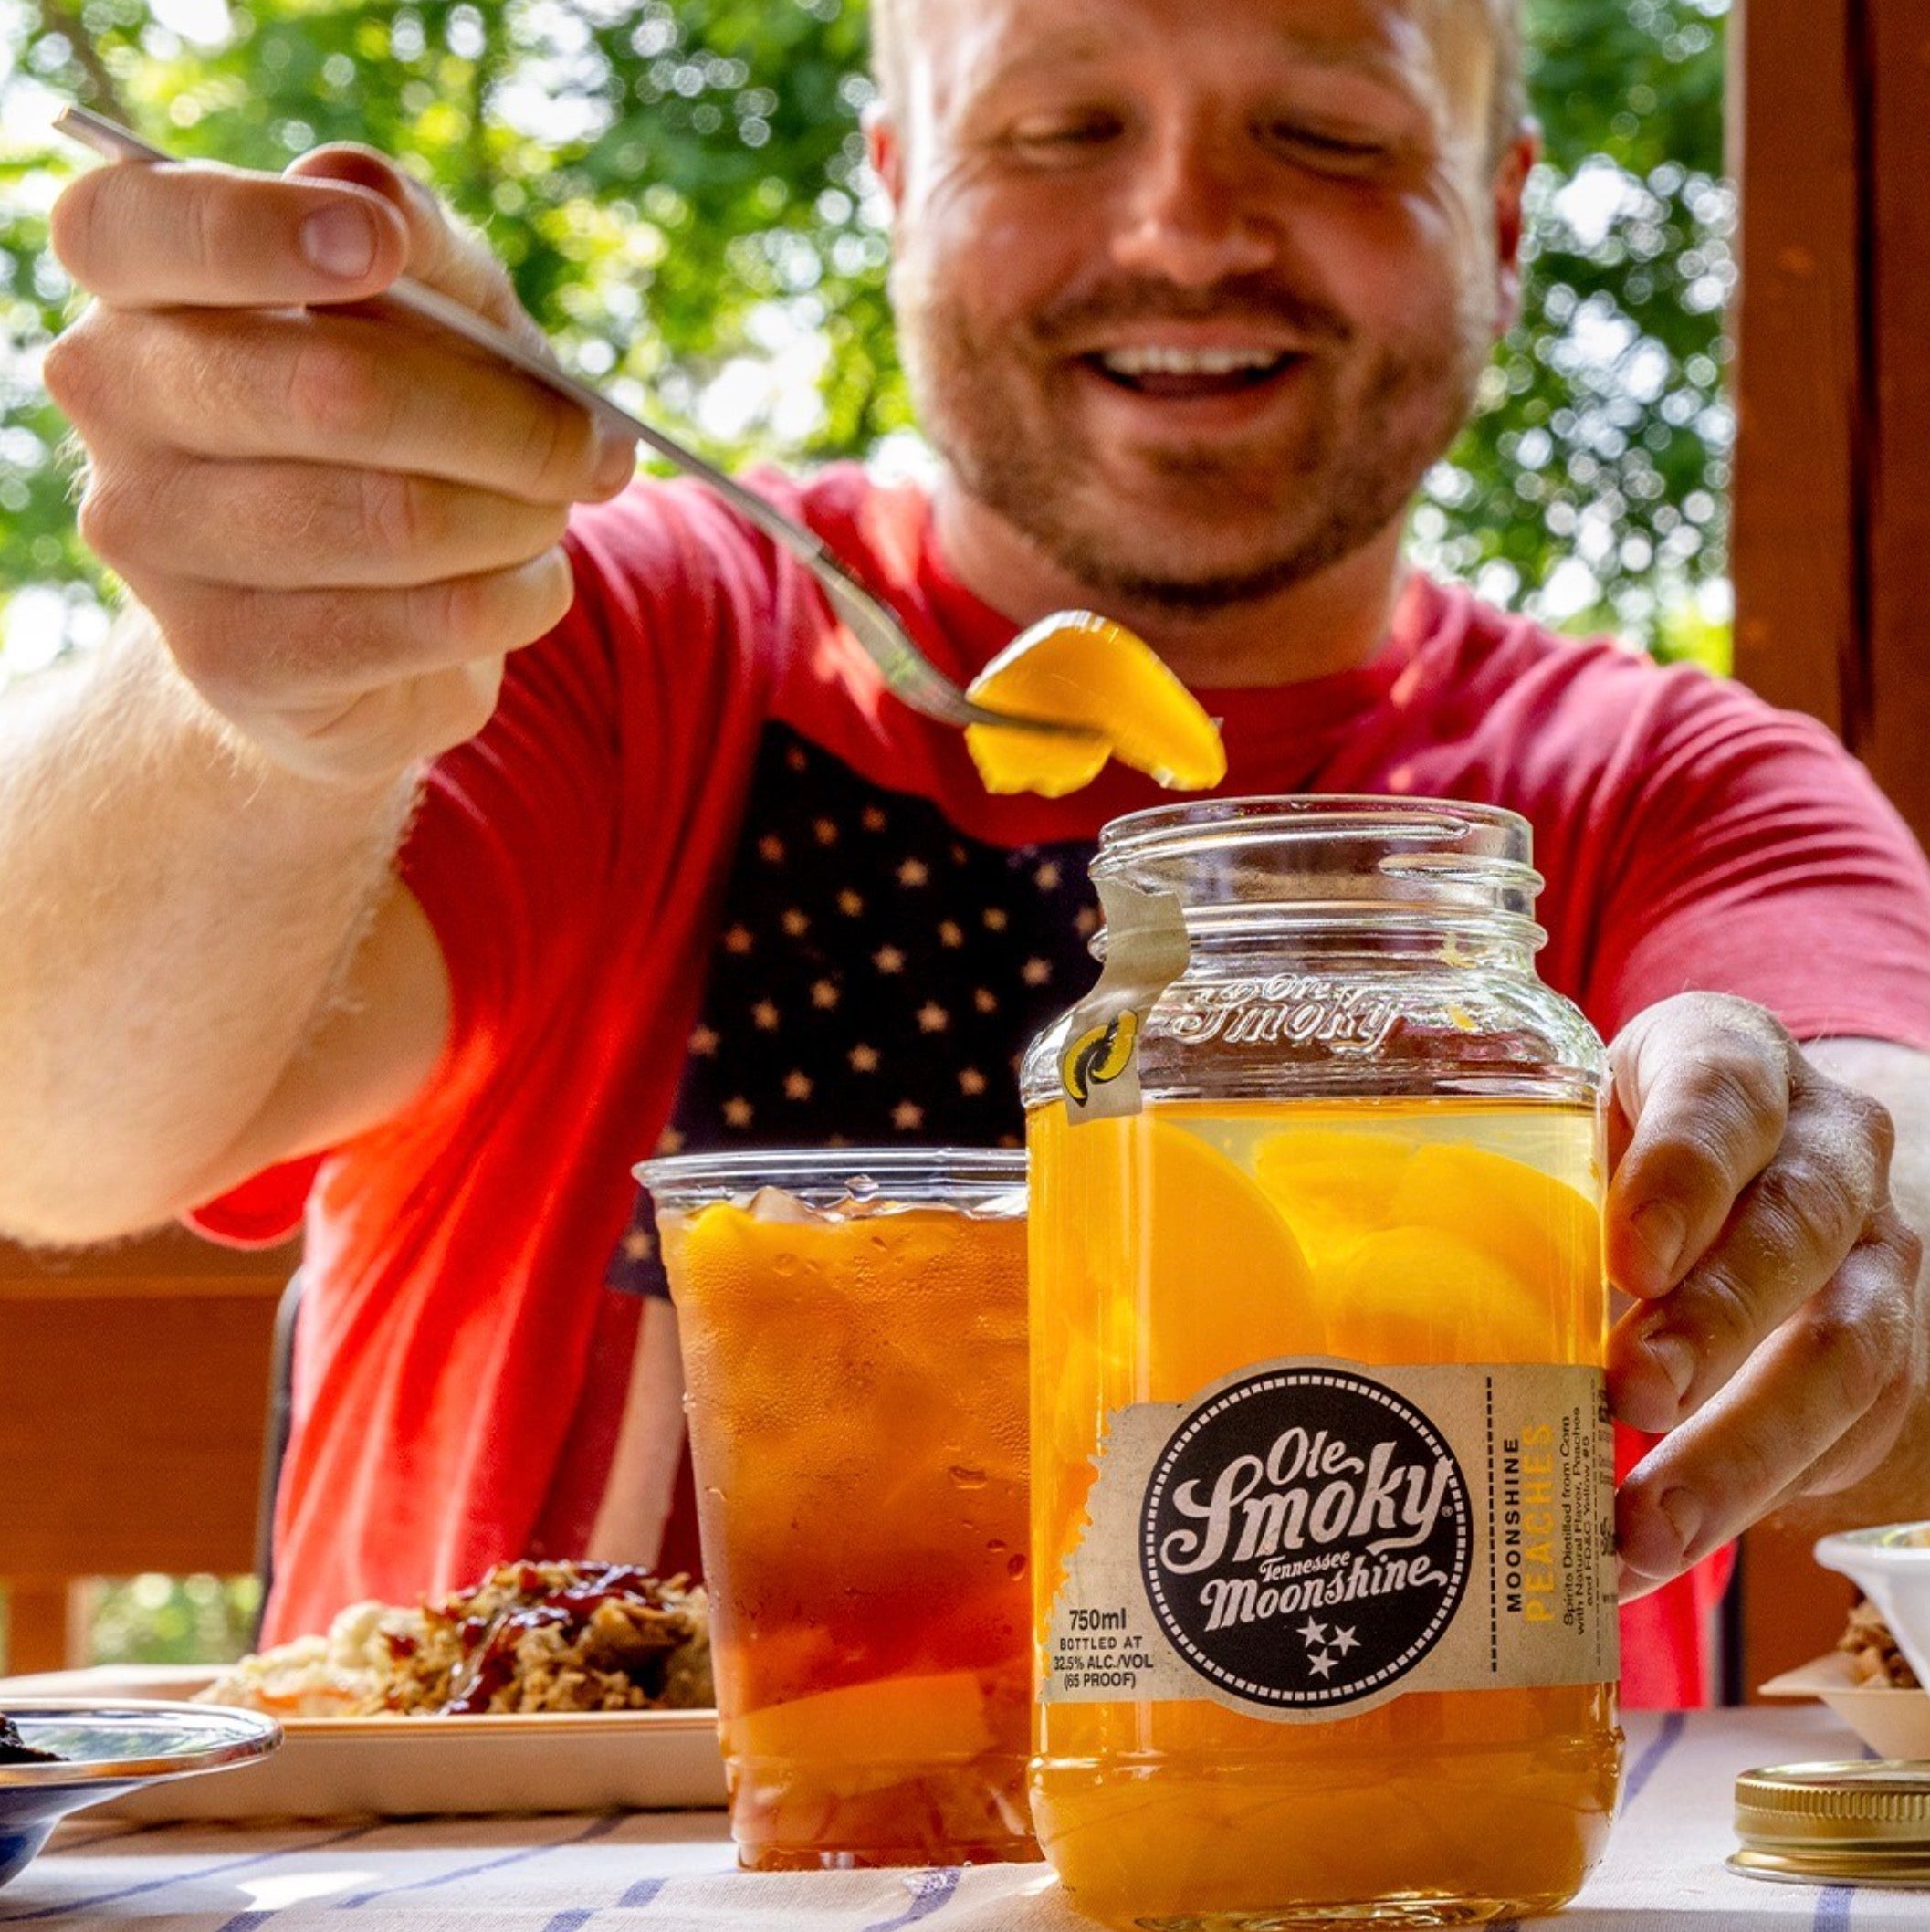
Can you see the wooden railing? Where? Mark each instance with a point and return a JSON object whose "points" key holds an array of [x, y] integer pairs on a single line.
{"points": [[134, 1392]]}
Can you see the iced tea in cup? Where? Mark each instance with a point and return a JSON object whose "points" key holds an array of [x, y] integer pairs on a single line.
{"points": [[854, 1338]]}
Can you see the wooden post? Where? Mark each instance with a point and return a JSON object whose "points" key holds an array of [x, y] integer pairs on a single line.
{"points": [[39, 1625], [1831, 506], [1796, 506], [1896, 741]]}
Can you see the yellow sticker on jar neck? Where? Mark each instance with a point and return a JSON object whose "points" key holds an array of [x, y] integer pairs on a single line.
{"points": [[1147, 949]]}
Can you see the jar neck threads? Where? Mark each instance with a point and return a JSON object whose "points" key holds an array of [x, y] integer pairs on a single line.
{"points": [[1382, 874]]}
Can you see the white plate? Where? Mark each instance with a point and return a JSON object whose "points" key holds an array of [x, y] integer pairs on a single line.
{"points": [[1893, 1723], [412, 1767]]}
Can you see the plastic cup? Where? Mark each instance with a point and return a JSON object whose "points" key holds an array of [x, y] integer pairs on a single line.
{"points": [[854, 1333]]}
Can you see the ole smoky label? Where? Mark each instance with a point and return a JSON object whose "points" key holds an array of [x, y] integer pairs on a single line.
{"points": [[1305, 1538], [1311, 1538]]}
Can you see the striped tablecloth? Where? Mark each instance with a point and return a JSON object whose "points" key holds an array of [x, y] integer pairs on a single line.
{"points": [[651, 1872]]}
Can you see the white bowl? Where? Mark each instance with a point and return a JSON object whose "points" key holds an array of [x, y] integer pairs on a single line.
{"points": [[1893, 1723], [1891, 1565]]}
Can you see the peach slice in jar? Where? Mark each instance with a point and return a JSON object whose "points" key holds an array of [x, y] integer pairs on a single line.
{"points": [[1080, 669]]}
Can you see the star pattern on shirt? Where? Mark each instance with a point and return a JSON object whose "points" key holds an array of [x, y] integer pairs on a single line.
{"points": [[876, 977]]}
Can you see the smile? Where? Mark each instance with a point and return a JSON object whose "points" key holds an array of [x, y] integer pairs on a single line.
{"points": [[1164, 369]]}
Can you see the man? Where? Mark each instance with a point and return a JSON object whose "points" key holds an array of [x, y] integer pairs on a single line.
{"points": [[403, 835]]}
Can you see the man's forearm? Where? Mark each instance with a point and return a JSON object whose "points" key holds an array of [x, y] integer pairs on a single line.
{"points": [[175, 913]]}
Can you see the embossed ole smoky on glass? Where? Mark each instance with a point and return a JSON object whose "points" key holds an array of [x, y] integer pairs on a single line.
{"points": [[1344, 945]]}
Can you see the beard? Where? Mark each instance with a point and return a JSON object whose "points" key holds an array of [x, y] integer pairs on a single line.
{"points": [[1189, 527]]}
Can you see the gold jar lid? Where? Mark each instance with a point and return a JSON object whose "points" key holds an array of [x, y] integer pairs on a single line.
{"points": [[1863, 1823]]}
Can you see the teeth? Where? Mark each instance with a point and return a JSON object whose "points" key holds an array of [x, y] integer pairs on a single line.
{"points": [[1162, 360]]}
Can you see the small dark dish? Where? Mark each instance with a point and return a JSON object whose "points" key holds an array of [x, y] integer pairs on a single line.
{"points": [[100, 1750]]}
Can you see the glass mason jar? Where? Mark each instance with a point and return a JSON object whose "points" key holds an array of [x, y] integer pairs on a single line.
{"points": [[1322, 1468]]}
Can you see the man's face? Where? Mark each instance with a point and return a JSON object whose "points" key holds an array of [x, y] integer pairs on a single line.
{"points": [[1193, 291]]}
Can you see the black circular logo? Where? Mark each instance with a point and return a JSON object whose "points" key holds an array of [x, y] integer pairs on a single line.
{"points": [[1304, 1537]]}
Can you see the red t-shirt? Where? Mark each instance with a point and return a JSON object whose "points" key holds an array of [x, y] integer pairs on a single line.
{"points": [[590, 865]]}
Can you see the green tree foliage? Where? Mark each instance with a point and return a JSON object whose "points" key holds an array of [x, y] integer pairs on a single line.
{"points": [[1596, 469], [677, 188]]}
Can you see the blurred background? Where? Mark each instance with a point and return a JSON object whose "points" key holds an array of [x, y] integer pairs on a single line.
{"points": [[680, 190]]}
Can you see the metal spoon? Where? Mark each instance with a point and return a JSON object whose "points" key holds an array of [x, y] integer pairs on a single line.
{"points": [[906, 671]]}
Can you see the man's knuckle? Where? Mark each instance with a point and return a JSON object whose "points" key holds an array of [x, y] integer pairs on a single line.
{"points": [[401, 515], [1854, 1348], [1807, 1205], [1755, 1466], [1723, 1315], [556, 450], [112, 516], [70, 227], [77, 228], [459, 702], [1741, 1087], [77, 375], [337, 392], [453, 609], [63, 369], [1870, 1120], [1904, 1242], [556, 591], [212, 655], [1687, 1158], [207, 224]]}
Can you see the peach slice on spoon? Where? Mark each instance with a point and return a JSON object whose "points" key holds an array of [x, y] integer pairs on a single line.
{"points": [[1081, 670]]}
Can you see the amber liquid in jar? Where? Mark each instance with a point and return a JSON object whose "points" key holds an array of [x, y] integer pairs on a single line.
{"points": [[1178, 1246]]}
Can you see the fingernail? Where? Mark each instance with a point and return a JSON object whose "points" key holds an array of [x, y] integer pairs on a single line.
{"points": [[339, 239], [1684, 1510], [1674, 1355], [1663, 1229], [615, 460]]}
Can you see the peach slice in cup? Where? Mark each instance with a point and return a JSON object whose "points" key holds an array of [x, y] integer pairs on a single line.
{"points": [[1080, 669]]}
